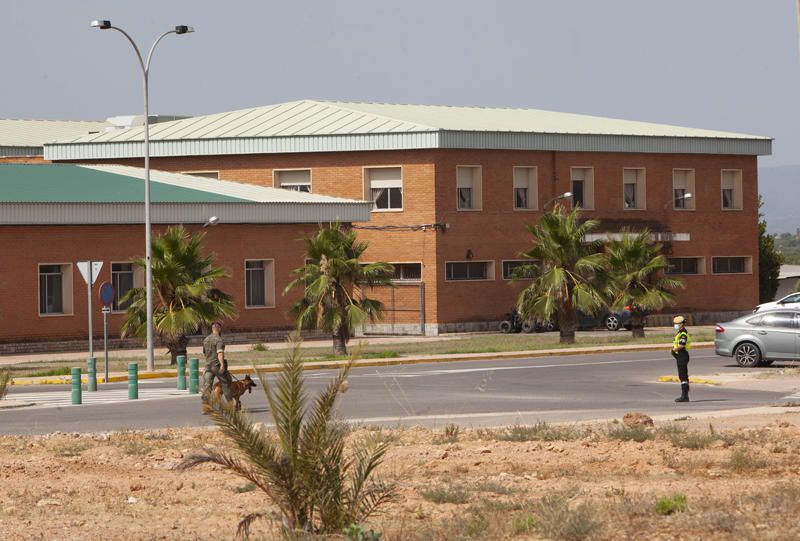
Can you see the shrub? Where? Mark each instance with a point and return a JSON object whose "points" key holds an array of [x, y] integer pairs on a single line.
{"points": [[449, 435], [305, 470], [742, 460], [540, 431], [5, 379], [556, 519], [666, 505], [258, 346], [356, 532], [637, 433], [446, 494]]}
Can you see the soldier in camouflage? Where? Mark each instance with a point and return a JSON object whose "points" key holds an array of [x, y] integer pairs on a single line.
{"points": [[216, 366]]}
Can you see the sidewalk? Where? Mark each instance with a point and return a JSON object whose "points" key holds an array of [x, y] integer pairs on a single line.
{"points": [[416, 359]]}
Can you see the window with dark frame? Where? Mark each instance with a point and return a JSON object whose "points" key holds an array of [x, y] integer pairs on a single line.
{"points": [[51, 289], [729, 265], [683, 265], [411, 272], [296, 180], [122, 280], [509, 267], [385, 187], [468, 270]]}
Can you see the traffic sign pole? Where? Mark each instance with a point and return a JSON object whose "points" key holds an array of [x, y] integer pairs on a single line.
{"points": [[106, 297], [89, 296]]}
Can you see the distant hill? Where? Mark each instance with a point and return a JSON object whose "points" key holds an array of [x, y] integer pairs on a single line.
{"points": [[780, 189]]}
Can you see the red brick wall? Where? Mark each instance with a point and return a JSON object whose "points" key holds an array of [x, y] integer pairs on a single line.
{"points": [[498, 231], [25, 247], [23, 159]]}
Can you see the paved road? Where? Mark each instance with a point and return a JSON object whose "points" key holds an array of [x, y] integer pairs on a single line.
{"points": [[558, 388]]}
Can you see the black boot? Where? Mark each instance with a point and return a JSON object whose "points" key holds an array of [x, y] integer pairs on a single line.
{"points": [[684, 397]]}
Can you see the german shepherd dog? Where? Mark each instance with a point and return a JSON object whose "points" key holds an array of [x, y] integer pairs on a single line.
{"points": [[238, 388]]}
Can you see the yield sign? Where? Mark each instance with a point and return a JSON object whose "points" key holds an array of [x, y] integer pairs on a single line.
{"points": [[83, 266]]}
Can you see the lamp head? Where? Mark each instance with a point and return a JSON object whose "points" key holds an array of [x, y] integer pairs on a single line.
{"points": [[102, 25], [688, 195], [183, 29], [566, 194], [214, 220]]}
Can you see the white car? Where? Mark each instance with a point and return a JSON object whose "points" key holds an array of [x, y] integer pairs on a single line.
{"points": [[789, 301]]}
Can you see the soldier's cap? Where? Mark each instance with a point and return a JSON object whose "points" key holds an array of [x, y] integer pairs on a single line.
{"points": [[678, 319], [217, 323]]}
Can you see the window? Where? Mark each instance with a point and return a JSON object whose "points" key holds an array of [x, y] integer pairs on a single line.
{"points": [[682, 185], [385, 187], [259, 283], [510, 266], [203, 174], [407, 272], [731, 265], [633, 189], [731, 190], [582, 187], [122, 280], [298, 180], [686, 265], [781, 320], [470, 270], [468, 181], [525, 188], [55, 289]]}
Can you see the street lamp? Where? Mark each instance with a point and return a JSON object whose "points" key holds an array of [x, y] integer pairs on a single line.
{"points": [[145, 65], [211, 222], [684, 197], [565, 195]]}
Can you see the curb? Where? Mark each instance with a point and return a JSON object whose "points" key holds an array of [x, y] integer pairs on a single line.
{"points": [[328, 365], [700, 381]]}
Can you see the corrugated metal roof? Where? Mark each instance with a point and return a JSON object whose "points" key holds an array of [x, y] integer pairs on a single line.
{"points": [[114, 194], [35, 133], [319, 126]]}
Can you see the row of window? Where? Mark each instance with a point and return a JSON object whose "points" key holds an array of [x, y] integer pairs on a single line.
{"points": [[55, 285], [384, 186]]}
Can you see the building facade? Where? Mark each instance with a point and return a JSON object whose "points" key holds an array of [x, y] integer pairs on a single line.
{"points": [[452, 190]]}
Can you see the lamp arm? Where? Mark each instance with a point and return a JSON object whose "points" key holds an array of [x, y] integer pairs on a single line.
{"points": [[146, 65], [135, 48]]}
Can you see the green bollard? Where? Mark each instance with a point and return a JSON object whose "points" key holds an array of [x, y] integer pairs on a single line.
{"points": [[194, 375], [181, 372], [133, 381], [92, 374], [76, 386]]}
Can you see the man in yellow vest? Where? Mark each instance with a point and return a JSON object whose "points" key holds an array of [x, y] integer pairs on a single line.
{"points": [[681, 345]]}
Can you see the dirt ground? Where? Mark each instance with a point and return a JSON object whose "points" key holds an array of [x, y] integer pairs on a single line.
{"points": [[739, 475]]}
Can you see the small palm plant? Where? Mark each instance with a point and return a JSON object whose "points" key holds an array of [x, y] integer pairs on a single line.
{"points": [[5, 379], [307, 473], [639, 272], [184, 296], [334, 283]]}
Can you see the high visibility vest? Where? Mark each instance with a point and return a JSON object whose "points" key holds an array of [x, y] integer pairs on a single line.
{"points": [[676, 341]]}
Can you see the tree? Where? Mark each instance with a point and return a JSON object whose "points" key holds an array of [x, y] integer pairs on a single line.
{"points": [[567, 274], [318, 484], [184, 296], [769, 260], [639, 276], [333, 282]]}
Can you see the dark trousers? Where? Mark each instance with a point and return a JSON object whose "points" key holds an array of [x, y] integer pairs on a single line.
{"points": [[213, 371], [682, 358]]}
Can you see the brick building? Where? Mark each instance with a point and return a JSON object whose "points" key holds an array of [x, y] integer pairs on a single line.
{"points": [[453, 187], [53, 216]]}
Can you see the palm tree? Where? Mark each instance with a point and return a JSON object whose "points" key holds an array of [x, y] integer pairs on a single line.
{"points": [[567, 274], [640, 275], [333, 281], [184, 296], [306, 471]]}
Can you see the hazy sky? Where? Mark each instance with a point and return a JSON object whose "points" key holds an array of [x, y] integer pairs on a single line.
{"points": [[718, 64]]}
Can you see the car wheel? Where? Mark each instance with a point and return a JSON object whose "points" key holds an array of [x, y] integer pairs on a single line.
{"points": [[504, 327], [528, 326], [550, 325], [612, 322], [747, 354]]}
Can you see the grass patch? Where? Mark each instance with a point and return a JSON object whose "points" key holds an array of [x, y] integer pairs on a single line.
{"points": [[449, 434], [744, 460], [637, 433], [62, 371], [540, 431], [680, 437], [71, 448], [375, 355], [446, 494], [494, 487], [558, 517], [258, 346], [666, 505], [248, 487], [130, 443]]}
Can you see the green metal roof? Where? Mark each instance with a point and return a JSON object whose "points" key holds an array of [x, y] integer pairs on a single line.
{"points": [[63, 183]]}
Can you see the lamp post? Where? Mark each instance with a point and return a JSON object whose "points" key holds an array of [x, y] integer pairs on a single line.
{"points": [[684, 197], [145, 65], [564, 195]]}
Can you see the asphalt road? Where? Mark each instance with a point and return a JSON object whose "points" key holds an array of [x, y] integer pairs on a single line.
{"points": [[499, 392]]}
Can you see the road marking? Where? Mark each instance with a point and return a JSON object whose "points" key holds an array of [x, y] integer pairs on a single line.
{"points": [[59, 399]]}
